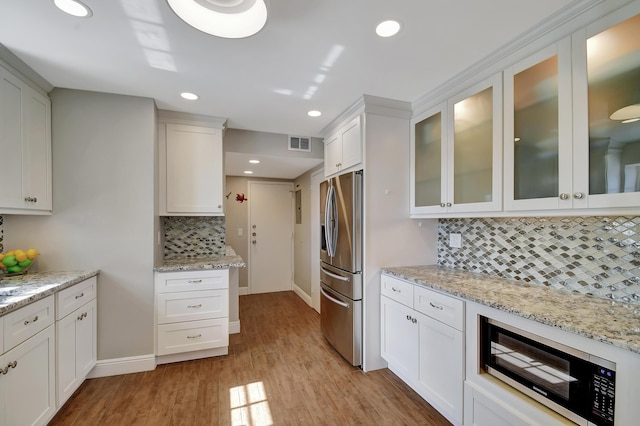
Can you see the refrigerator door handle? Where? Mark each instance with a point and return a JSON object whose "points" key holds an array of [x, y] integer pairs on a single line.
{"points": [[337, 277], [329, 221], [336, 301], [334, 220]]}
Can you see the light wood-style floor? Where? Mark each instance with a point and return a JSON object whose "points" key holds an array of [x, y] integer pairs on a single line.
{"points": [[279, 371]]}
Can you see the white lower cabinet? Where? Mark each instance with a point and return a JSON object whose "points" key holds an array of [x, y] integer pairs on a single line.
{"points": [[481, 409], [76, 349], [192, 314], [424, 343], [27, 369], [76, 336]]}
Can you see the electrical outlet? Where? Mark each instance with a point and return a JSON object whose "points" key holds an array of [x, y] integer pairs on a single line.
{"points": [[455, 240], [240, 232]]}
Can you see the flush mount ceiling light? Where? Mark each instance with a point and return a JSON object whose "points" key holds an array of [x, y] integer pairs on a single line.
{"points": [[388, 28], [189, 96], [254, 161], [314, 113], [222, 18], [73, 8]]}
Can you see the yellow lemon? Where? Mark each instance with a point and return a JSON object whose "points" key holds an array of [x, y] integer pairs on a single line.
{"points": [[32, 253], [21, 256], [9, 253]]}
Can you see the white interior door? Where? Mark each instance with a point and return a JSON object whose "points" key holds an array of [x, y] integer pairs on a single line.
{"points": [[316, 179], [270, 236]]}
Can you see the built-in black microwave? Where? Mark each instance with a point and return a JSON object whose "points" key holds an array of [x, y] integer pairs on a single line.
{"points": [[575, 384]]}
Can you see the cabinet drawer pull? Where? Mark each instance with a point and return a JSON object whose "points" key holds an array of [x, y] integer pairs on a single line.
{"points": [[27, 322], [79, 296], [10, 365], [414, 320], [396, 290], [436, 306], [82, 316], [194, 337], [194, 281], [195, 306]]}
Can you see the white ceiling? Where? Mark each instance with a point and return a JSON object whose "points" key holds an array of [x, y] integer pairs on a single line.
{"points": [[269, 167], [312, 54]]}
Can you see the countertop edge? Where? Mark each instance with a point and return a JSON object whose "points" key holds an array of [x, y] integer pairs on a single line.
{"points": [[58, 280]]}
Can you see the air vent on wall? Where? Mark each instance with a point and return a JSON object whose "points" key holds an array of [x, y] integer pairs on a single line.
{"points": [[299, 143]]}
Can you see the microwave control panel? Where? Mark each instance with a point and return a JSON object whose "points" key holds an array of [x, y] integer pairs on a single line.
{"points": [[603, 395]]}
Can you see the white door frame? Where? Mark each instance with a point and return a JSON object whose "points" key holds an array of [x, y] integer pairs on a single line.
{"points": [[249, 196], [316, 179]]}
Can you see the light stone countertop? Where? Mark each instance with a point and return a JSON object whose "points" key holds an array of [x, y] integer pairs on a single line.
{"points": [[230, 260], [21, 290], [599, 319]]}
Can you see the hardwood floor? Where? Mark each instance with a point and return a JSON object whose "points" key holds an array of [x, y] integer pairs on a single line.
{"points": [[280, 371]]}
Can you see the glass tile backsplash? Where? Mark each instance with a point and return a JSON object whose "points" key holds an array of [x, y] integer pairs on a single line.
{"points": [[591, 255], [192, 237]]}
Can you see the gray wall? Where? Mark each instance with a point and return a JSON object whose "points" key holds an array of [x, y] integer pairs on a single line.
{"points": [[302, 236], [103, 186]]}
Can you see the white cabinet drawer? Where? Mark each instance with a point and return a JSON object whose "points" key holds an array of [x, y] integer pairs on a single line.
{"points": [[25, 322], [192, 305], [438, 306], [192, 280], [398, 290], [193, 336], [71, 298]]}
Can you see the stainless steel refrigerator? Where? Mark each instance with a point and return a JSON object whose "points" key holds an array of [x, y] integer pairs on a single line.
{"points": [[341, 264]]}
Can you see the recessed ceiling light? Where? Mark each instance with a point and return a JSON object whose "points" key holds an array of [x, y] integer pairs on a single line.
{"points": [[222, 18], [254, 161], [248, 172], [74, 8], [388, 28], [314, 113], [189, 96]]}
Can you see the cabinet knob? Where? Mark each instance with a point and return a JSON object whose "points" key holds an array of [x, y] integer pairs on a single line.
{"points": [[578, 195], [448, 204], [442, 204], [253, 241], [564, 196]]}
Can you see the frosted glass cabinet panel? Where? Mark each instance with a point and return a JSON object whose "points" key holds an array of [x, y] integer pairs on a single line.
{"points": [[535, 128], [613, 78], [473, 148], [537, 137], [428, 160]]}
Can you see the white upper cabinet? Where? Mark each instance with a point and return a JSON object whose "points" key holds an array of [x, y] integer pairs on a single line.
{"points": [[457, 153], [343, 149], [538, 131], [191, 172], [606, 111], [25, 140]]}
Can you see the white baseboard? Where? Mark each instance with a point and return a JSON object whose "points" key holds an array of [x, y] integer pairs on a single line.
{"points": [[304, 296], [234, 327], [243, 291], [117, 366]]}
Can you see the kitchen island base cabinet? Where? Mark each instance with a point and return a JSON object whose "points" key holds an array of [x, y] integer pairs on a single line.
{"points": [[192, 314], [423, 342]]}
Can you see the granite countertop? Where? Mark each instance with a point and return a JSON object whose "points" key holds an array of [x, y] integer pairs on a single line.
{"points": [[230, 260], [18, 291], [599, 319]]}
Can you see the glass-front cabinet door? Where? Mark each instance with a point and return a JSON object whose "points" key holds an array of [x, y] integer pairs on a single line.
{"points": [[607, 111], [474, 173], [457, 154], [538, 131], [429, 158]]}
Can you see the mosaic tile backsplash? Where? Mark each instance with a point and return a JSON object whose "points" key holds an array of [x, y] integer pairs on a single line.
{"points": [[189, 237], [1, 234], [591, 255]]}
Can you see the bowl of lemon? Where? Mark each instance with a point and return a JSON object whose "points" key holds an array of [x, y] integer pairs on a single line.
{"points": [[17, 262]]}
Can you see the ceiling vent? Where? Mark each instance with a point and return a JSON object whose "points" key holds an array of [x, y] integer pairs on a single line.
{"points": [[299, 143]]}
